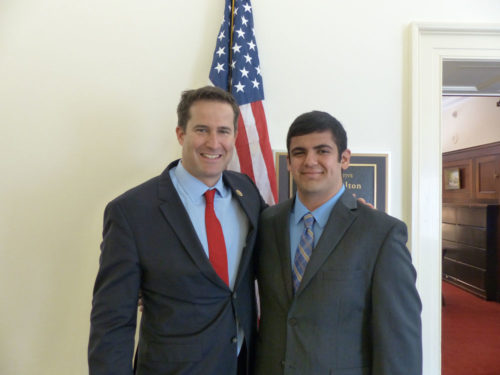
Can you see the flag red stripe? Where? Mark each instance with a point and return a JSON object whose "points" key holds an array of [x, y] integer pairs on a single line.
{"points": [[265, 145], [243, 150]]}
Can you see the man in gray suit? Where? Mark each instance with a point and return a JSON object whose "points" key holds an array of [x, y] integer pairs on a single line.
{"points": [[198, 289], [336, 282]]}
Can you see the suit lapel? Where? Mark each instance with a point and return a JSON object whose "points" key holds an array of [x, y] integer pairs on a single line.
{"points": [[281, 229], [340, 220], [174, 212], [242, 196]]}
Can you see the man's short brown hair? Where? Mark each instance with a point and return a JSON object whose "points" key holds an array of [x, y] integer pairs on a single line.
{"points": [[189, 97]]}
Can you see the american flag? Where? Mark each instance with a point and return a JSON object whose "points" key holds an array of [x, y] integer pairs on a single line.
{"points": [[236, 68]]}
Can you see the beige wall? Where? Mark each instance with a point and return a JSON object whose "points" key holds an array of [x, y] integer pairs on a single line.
{"points": [[469, 122], [87, 109]]}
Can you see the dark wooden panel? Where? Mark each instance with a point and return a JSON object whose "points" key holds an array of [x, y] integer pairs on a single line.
{"points": [[472, 216], [472, 152], [449, 232], [479, 174], [473, 236], [449, 215], [468, 274], [486, 176], [471, 245], [465, 254]]}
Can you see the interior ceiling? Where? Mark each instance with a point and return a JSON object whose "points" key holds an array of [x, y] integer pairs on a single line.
{"points": [[471, 78]]}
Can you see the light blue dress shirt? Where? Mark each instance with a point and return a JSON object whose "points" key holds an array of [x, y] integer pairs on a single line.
{"points": [[321, 215], [233, 220]]}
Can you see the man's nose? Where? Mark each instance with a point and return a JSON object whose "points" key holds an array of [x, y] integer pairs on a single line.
{"points": [[311, 159], [212, 140]]}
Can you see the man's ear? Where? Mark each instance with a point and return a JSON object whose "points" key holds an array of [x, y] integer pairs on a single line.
{"points": [[288, 162], [180, 134], [345, 159]]}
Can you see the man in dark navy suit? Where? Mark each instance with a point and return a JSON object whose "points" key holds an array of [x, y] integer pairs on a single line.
{"points": [[200, 312]]}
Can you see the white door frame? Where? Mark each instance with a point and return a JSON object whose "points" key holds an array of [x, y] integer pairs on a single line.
{"points": [[431, 43]]}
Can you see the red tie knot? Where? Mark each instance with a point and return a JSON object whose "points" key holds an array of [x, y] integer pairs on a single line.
{"points": [[209, 196]]}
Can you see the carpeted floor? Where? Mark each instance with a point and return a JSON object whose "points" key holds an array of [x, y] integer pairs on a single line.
{"points": [[470, 334]]}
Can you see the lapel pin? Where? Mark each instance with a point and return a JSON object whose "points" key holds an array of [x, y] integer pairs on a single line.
{"points": [[239, 192]]}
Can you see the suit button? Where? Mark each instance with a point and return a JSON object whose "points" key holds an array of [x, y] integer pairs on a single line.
{"points": [[283, 364], [234, 295], [292, 322], [234, 340]]}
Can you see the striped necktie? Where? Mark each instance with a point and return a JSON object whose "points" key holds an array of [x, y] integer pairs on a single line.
{"points": [[304, 251]]}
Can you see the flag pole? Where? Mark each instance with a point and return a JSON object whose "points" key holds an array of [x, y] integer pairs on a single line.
{"points": [[230, 54]]}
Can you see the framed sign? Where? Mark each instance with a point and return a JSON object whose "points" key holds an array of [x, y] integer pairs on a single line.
{"points": [[365, 178]]}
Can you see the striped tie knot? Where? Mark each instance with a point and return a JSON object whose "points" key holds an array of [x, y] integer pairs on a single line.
{"points": [[308, 220]]}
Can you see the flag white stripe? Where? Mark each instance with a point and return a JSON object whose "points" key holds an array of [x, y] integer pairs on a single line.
{"points": [[258, 163]]}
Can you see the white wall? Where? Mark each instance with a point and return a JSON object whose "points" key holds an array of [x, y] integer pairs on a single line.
{"points": [[88, 91], [469, 122]]}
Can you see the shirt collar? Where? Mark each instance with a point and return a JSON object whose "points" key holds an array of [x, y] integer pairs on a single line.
{"points": [[194, 188], [321, 214]]}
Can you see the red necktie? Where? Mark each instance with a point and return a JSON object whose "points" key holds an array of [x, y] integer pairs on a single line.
{"points": [[216, 245]]}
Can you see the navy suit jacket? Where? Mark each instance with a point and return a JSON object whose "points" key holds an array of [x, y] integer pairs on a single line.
{"points": [[188, 324], [356, 312]]}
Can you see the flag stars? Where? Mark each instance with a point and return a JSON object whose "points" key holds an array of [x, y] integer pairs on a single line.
{"points": [[220, 51], [241, 33], [244, 72], [239, 87], [219, 67], [235, 9], [236, 48]]}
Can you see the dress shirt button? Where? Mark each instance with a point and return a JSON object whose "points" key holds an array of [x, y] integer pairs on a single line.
{"points": [[292, 322], [234, 340]]}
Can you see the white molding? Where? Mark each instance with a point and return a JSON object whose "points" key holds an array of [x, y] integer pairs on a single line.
{"points": [[431, 43]]}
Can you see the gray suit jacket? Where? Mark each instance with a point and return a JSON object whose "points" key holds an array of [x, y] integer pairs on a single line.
{"points": [[189, 321], [357, 310]]}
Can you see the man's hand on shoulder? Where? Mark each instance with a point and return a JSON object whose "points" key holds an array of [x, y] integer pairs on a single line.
{"points": [[362, 200]]}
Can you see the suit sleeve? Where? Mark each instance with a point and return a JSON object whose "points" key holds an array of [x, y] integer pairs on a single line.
{"points": [[114, 305], [396, 325]]}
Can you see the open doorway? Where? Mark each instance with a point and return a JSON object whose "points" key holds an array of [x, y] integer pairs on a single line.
{"points": [[470, 216], [431, 44]]}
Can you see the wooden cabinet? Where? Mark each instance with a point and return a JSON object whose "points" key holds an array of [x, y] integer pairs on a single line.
{"points": [[479, 174], [471, 245], [487, 177]]}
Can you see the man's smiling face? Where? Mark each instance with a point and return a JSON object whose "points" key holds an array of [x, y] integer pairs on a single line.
{"points": [[316, 166], [208, 140]]}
